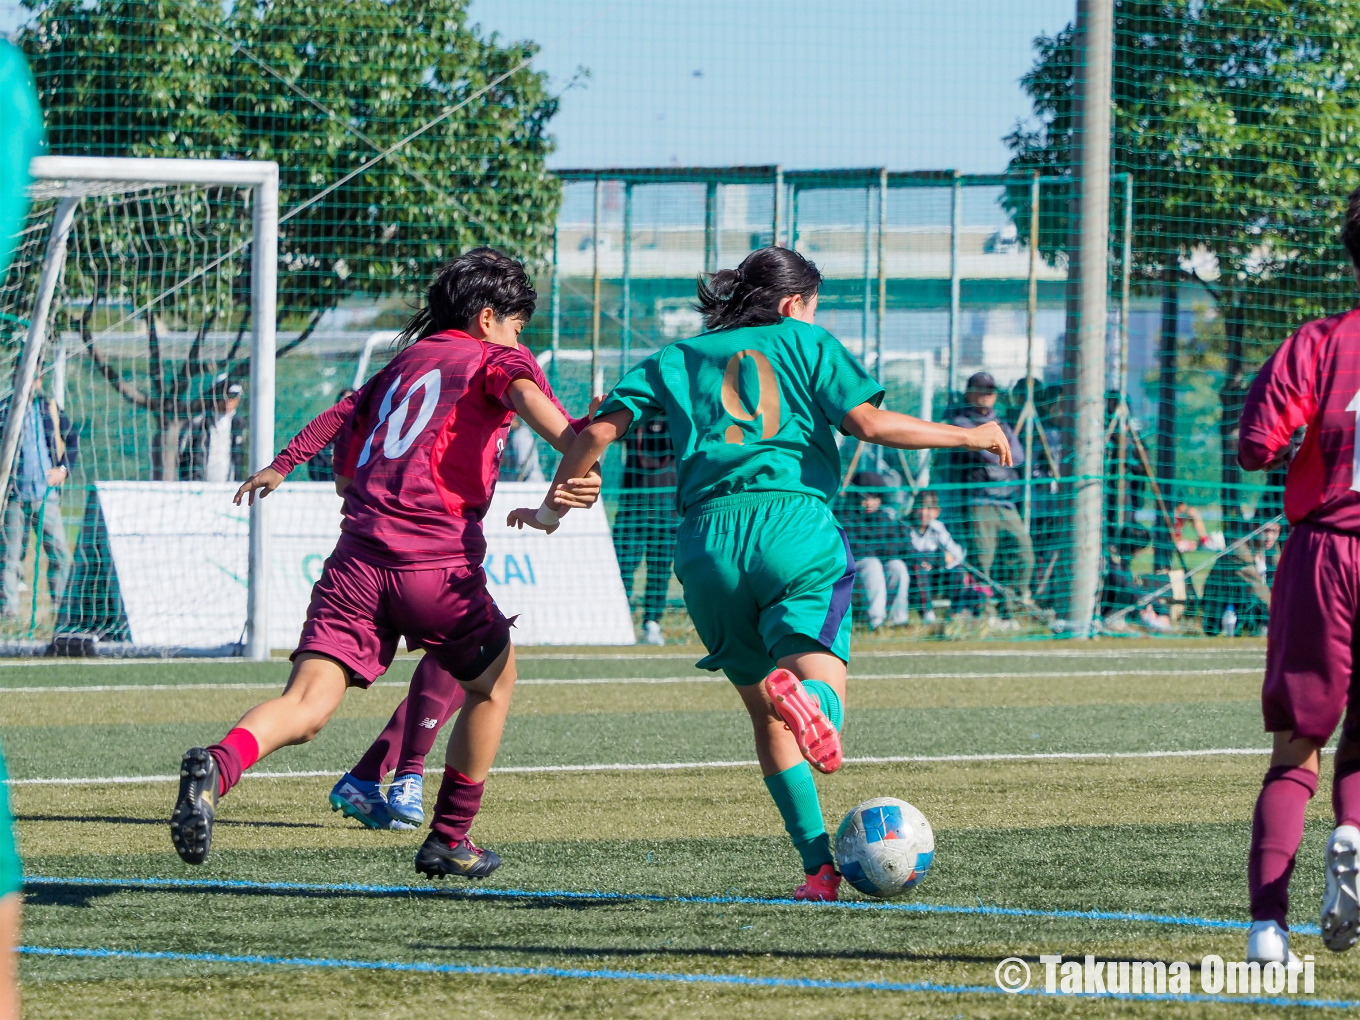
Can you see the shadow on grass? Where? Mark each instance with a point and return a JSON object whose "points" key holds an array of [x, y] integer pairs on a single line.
{"points": [[124, 820], [717, 952]]}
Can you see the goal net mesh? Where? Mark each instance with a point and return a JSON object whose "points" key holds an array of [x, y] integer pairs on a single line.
{"points": [[142, 380]]}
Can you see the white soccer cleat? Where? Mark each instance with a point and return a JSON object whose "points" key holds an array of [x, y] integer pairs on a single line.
{"points": [[1267, 942], [1340, 900], [651, 633]]}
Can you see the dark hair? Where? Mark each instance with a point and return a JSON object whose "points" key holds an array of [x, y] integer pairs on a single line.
{"points": [[750, 294], [1350, 232], [927, 499], [1133, 539], [462, 287]]}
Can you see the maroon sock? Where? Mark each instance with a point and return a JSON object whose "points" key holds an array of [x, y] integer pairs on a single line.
{"points": [[1346, 792], [381, 756], [435, 696], [1276, 831], [237, 752], [455, 807]]}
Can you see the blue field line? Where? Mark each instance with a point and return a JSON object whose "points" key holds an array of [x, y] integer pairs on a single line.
{"points": [[669, 977], [245, 886]]}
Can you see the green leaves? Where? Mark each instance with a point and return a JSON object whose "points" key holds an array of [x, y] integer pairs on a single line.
{"points": [[292, 81], [1238, 120]]}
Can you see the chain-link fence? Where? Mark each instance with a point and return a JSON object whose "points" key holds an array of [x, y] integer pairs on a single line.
{"points": [[407, 134]]}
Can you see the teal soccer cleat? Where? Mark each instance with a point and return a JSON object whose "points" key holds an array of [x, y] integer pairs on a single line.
{"points": [[363, 801], [405, 798]]}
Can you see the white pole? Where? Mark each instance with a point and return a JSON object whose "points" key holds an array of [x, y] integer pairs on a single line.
{"points": [[263, 311], [37, 330], [1096, 24], [927, 414], [59, 373], [955, 225]]}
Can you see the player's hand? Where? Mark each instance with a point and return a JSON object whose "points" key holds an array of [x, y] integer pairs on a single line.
{"points": [[527, 516], [990, 438], [595, 403], [266, 481], [577, 493]]}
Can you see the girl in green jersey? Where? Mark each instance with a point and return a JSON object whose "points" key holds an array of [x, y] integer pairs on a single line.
{"points": [[752, 407]]}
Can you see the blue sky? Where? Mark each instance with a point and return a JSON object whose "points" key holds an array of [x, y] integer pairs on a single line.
{"points": [[907, 84]]}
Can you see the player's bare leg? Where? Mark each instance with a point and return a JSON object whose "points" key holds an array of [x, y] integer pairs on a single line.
{"points": [[776, 747], [1341, 898], [782, 756], [1277, 829], [315, 689], [472, 748]]}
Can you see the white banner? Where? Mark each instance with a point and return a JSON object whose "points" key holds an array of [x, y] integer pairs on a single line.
{"points": [[180, 554]]}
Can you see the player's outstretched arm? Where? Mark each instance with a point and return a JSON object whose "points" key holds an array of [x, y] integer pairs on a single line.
{"points": [[315, 436], [888, 428], [585, 451], [542, 414]]}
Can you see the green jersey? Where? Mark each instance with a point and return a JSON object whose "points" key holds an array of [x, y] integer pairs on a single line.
{"points": [[750, 410], [23, 140]]}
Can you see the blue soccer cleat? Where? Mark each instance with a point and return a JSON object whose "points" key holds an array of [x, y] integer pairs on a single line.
{"points": [[363, 801], [405, 798]]}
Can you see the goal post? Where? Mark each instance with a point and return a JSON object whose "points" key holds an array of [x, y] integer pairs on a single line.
{"points": [[170, 260]]}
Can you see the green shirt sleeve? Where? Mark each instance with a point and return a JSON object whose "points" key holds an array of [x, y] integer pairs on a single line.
{"points": [[23, 139], [638, 393], [840, 383]]}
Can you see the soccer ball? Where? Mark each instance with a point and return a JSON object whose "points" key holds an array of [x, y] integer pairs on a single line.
{"points": [[884, 847]]}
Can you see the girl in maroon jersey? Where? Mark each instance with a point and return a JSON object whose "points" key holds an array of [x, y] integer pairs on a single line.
{"points": [[419, 446]]}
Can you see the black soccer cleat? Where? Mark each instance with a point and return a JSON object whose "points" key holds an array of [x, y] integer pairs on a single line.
{"points": [[192, 820], [435, 859]]}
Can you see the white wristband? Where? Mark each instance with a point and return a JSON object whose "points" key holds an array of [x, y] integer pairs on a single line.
{"points": [[547, 517]]}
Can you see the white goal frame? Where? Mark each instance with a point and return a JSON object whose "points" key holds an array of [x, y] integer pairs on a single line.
{"points": [[71, 178]]}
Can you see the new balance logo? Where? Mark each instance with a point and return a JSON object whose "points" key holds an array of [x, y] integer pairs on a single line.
{"points": [[428, 724]]}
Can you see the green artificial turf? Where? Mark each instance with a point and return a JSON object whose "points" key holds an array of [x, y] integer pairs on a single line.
{"points": [[1154, 835]]}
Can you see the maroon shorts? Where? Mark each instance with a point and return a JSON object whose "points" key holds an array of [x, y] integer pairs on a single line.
{"points": [[1314, 627], [359, 610]]}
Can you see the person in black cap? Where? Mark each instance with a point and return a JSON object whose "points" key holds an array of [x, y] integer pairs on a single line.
{"points": [[991, 488], [213, 444]]}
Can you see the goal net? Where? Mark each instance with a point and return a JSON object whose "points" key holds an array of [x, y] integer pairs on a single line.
{"points": [[137, 330]]}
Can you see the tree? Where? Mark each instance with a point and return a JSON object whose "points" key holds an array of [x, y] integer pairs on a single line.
{"points": [[1238, 120], [323, 95]]}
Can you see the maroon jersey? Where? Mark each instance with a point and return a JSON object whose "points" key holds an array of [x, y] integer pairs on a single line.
{"points": [[1312, 380], [422, 441]]}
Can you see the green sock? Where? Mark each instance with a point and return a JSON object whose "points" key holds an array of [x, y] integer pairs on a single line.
{"points": [[795, 794], [832, 706]]}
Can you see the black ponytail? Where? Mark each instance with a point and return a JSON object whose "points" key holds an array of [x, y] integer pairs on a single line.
{"points": [[750, 294]]}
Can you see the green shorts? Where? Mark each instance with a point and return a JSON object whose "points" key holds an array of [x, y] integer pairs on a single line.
{"points": [[11, 874], [765, 575]]}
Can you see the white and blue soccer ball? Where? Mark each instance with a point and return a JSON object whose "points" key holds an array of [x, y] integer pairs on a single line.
{"points": [[884, 847]]}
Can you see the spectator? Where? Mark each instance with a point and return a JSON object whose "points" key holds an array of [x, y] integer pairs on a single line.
{"points": [[879, 545], [321, 468], [645, 524], [1241, 579], [520, 462], [1187, 514], [933, 559], [212, 448], [991, 491], [48, 447], [1123, 589]]}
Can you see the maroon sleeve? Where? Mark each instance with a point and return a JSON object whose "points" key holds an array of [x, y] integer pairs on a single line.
{"points": [[1282, 397], [518, 363], [315, 435], [506, 364]]}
